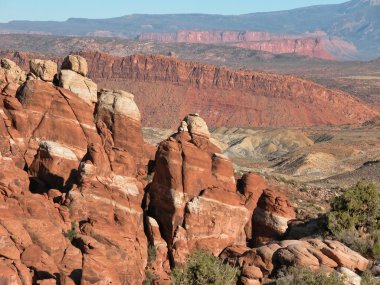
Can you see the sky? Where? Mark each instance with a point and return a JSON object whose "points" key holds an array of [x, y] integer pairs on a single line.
{"points": [[99, 9]]}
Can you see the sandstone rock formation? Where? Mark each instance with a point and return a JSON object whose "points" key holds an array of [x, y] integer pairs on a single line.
{"points": [[119, 113], [193, 195], [271, 216], [75, 63], [11, 77], [72, 77], [79, 188], [259, 263], [251, 185], [43, 69], [77, 205]]}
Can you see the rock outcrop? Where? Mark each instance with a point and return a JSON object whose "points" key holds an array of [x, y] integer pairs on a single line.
{"points": [[83, 191], [193, 195], [75, 63], [260, 263], [43, 69], [251, 185], [271, 216], [72, 77], [11, 77], [117, 114]]}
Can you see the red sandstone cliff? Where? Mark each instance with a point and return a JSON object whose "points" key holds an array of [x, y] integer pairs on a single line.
{"points": [[167, 89], [317, 45]]}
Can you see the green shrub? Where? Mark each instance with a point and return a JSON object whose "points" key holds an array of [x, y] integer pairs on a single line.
{"points": [[355, 219], [71, 234], [149, 178], [149, 278], [304, 276], [369, 279], [358, 207], [376, 244], [202, 268], [151, 254]]}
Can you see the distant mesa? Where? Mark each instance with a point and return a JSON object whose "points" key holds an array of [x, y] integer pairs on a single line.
{"points": [[292, 31]]}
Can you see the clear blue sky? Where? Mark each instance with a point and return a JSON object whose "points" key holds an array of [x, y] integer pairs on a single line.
{"points": [[98, 9]]}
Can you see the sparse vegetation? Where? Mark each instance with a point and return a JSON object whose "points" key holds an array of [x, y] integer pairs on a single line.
{"points": [[304, 276], [149, 278], [148, 178], [151, 254], [303, 188], [369, 279], [202, 268], [287, 181], [355, 219], [71, 234]]}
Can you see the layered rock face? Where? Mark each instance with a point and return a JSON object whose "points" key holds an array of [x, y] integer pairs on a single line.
{"points": [[224, 97], [83, 181], [317, 45]]}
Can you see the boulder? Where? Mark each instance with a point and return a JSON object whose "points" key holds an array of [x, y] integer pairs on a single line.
{"points": [[83, 87], [271, 216], [310, 253], [43, 69], [196, 125], [350, 277], [12, 69], [75, 63], [344, 256], [11, 77]]}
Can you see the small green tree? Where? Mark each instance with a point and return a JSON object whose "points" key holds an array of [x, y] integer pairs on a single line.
{"points": [[358, 207], [202, 268], [354, 218]]}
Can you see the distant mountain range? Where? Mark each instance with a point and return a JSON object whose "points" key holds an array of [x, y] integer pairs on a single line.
{"points": [[355, 22]]}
